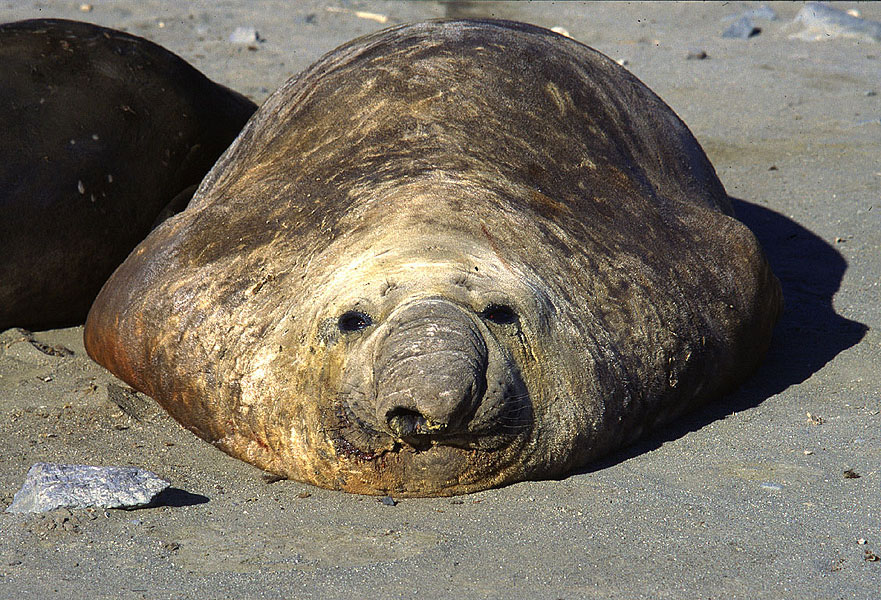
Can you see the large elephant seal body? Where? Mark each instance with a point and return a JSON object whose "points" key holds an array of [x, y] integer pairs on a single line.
{"points": [[102, 131], [448, 256]]}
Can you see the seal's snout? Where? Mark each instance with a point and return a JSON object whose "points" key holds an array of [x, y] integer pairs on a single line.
{"points": [[430, 371]]}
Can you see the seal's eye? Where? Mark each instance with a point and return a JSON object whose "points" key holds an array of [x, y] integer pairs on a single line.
{"points": [[354, 321], [499, 314]]}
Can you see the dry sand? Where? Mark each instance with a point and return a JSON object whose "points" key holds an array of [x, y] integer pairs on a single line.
{"points": [[745, 499]]}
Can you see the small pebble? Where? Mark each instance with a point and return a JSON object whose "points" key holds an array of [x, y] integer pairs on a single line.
{"points": [[696, 55], [245, 35], [388, 501], [741, 29], [851, 474], [808, 452], [86, 8], [561, 31], [862, 541], [371, 16], [361, 14], [774, 487]]}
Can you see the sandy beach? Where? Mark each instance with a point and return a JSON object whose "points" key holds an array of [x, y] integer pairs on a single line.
{"points": [[772, 492]]}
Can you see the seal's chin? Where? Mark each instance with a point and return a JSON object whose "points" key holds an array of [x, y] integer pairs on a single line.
{"points": [[426, 463]]}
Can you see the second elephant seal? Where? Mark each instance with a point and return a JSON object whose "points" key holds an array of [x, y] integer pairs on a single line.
{"points": [[103, 134]]}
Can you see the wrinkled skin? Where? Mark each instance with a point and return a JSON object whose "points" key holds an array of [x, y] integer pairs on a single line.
{"points": [[448, 256], [103, 134]]}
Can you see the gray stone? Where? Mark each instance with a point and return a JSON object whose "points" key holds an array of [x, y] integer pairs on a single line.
{"points": [[741, 29], [49, 486], [822, 22]]}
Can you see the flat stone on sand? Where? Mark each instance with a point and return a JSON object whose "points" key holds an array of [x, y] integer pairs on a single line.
{"points": [[50, 485]]}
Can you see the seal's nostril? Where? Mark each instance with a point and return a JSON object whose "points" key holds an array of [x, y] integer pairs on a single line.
{"points": [[406, 423], [500, 314]]}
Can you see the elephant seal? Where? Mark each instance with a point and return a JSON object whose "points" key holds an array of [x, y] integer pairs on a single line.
{"points": [[102, 132], [448, 256]]}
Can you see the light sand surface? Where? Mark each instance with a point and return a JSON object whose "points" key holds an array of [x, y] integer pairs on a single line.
{"points": [[744, 499]]}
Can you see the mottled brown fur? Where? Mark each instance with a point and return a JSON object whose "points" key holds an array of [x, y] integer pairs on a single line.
{"points": [[468, 163]]}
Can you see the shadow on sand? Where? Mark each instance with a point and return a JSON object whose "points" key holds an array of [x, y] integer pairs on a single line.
{"points": [[177, 498], [808, 335]]}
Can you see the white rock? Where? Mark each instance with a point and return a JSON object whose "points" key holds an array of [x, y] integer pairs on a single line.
{"points": [[245, 35], [819, 22], [49, 486]]}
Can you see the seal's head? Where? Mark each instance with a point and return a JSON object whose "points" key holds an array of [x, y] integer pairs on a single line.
{"points": [[432, 374], [427, 350], [417, 362], [428, 381]]}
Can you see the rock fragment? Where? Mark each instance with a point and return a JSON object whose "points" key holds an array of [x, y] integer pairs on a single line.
{"points": [[49, 486], [818, 22], [742, 29], [245, 35]]}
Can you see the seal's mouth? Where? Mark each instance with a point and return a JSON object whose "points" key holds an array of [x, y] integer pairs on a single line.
{"points": [[411, 431]]}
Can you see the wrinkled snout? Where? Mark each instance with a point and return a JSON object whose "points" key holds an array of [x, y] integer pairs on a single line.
{"points": [[430, 371]]}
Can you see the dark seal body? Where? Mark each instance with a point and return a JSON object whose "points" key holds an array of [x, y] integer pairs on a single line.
{"points": [[102, 132], [448, 256]]}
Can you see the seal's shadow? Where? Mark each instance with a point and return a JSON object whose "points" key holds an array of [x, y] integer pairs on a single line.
{"points": [[808, 335]]}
